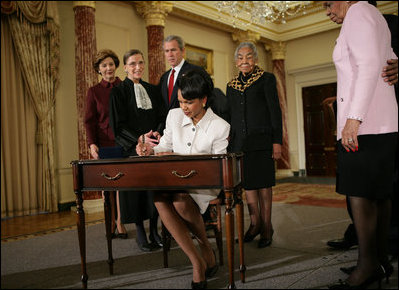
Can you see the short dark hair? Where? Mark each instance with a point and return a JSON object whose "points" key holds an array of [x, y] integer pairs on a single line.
{"points": [[195, 84], [129, 53], [373, 3], [103, 54]]}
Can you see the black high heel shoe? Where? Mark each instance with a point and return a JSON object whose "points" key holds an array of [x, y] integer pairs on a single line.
{"points": [[211, 271], [156, 241], [198, 285], [388, 270], [376, 277], [146, 247], [248, 237], [386, 267], [265, 242]]}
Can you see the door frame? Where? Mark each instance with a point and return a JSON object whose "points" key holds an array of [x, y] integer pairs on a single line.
{"points": [[307, 77]]}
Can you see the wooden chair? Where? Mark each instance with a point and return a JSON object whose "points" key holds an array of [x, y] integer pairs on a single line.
{"points": [[213, 223]]}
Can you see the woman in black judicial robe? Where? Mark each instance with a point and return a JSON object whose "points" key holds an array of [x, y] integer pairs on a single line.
{"points": [[135, 109]]}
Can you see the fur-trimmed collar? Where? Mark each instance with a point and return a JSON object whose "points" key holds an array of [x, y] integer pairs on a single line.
{"points": [[238, 85]]}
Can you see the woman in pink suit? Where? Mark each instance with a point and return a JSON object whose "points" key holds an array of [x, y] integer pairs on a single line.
{"points": [[367, 126]]}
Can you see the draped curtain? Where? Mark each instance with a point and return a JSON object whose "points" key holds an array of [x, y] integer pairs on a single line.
{"points": [[35, 36]]}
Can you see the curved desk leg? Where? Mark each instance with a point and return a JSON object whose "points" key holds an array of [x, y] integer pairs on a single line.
{"points": [[240, 229], [80, 222], [108, 230], [229, 220]]}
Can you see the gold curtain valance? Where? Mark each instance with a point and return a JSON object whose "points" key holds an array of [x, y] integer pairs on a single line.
{"points": [[33, 11]]}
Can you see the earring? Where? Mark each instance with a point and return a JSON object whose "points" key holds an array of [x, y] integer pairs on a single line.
{"points": [[203, 105]]}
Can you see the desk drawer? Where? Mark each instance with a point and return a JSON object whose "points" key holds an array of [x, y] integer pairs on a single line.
{"points": [[153, 175]]}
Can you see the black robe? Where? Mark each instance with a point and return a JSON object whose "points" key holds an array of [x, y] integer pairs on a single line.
{"points": [[129, 122]]}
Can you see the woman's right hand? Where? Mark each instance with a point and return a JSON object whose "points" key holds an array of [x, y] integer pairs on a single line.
{"points": [[144, 149], [94, 151]]}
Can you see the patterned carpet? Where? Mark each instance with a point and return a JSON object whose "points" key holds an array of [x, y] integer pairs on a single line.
{"points": [[308, 194], [290, 193]]}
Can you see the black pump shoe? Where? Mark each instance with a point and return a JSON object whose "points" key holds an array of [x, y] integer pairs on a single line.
{"points": [[146, 247], [156, 241], [376, 277], [342, 244], [387, 268], [198, 285], [348, 270], [211, 271], [265, 242]]}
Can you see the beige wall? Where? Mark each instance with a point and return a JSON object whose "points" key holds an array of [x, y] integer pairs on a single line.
{"points": [[119, 27], [308, 63], [65, 107]]}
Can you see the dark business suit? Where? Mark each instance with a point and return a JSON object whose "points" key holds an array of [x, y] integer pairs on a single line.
{"points": [[163, 85], [256, 124]]}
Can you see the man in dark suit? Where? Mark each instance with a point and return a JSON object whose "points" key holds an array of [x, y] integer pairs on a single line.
{"points": [[173, 47]]}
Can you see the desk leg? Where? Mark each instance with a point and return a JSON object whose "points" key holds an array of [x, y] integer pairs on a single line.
{"points": [[80, 222], [108, 230], [240, 229], [229, 221]]}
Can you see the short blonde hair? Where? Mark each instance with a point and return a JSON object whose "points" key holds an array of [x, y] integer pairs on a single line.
{"points": [[103, 54]]}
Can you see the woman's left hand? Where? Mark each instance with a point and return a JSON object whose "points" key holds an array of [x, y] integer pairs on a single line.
{"points": [[349, 135], [390, 72], [276, 151]]}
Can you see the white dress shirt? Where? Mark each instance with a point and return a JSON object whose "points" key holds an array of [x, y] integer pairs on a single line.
{"points": [[208, 136], [177, 70]]}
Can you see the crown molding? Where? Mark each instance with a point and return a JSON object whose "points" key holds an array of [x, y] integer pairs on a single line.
{"points": [[314, 21]]}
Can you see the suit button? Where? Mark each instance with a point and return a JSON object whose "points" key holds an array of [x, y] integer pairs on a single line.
{"points": [[342, 99], [188, 144], [193, 129]]}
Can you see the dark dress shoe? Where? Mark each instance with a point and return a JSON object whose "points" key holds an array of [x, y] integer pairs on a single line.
{"points": [[375, 277], [156, 241], [348, 270], [248, 237], [116, 235], [342, 244], [122, 236], [263, 242], [146, 247], [198, 285], [211, 271]]}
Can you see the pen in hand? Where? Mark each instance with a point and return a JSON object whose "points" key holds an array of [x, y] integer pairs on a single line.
{"points": [[144, 149]]}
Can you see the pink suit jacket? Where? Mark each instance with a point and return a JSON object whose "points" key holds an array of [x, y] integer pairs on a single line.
{"points": [[361, 51]]}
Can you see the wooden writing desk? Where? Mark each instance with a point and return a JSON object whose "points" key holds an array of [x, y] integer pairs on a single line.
{"points": [[160, 173]]}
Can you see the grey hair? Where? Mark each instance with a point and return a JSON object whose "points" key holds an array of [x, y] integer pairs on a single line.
{"points": [[246, 44], [179, 40]]}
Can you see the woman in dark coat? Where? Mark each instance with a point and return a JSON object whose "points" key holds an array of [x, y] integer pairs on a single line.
{"points": [[136, 108], [100, 137], [256, 130]]}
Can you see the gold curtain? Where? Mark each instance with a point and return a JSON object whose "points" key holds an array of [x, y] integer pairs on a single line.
{"points": [[35, 35], [19, 167]]}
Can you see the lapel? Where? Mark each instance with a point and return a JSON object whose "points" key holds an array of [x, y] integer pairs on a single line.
{"points": [[164, 87]]}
